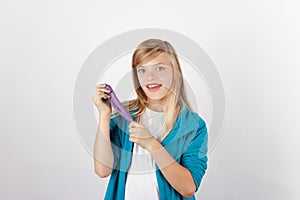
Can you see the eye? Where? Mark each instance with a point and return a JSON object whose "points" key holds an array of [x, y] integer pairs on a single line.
{"points": [[140, 70], [160, 68]]}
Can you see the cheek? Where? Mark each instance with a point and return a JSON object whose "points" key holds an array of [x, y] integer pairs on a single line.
{"points": [[140, 79], [167, 80]]}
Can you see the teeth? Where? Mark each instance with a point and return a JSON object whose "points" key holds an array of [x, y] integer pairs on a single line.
{"points": [[152, 86]]}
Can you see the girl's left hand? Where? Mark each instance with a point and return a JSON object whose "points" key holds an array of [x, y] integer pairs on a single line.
{"points": [[140, 135]]}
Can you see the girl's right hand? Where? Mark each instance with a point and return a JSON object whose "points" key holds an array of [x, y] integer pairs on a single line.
{"points": [[100, 99]]}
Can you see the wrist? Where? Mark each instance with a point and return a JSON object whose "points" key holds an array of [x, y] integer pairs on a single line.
{"points": [[104, 115], [154, 146]]}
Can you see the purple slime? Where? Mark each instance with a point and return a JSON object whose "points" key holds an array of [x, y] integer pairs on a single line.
{"points": [[117, 104]]}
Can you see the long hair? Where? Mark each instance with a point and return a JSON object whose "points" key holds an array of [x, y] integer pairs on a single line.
{"points": [[145, 52]]}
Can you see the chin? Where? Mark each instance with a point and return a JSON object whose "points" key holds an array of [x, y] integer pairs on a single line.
{"points": [[155, 96]]}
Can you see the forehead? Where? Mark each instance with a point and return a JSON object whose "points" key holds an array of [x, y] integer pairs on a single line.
{"points": [[163, 58]]}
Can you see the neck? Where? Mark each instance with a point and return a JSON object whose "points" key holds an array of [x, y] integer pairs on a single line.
{"points": [[156, 108]]}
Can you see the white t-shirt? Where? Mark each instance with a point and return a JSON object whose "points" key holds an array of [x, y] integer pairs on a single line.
{"points": [[141, 180]]}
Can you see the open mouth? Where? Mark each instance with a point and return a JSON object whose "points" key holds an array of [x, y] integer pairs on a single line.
{"points": [[153, 87]]}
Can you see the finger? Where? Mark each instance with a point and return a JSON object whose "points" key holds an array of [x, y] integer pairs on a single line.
{"points": [[131, 124], [102, 85], [135, 124], [106, 96], [131, 139], [133, 134], [134, 139], [138, 133], [103, 90], [103, 95], [139, 137], [134, 129]]}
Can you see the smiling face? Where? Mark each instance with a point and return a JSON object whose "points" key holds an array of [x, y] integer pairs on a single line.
{"points": [[155, 78]]}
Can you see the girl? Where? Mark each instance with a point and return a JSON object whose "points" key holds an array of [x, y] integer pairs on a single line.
{"points": [[162, 154]]}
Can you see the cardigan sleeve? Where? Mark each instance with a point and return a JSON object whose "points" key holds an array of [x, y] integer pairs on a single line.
{"points": [[195, 158], [115, 142]]}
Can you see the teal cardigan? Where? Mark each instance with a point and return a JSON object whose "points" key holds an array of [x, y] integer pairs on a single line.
{"points": [[186, 143]]}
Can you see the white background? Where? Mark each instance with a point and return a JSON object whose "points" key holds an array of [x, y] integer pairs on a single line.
{"points": [[254, 44]]}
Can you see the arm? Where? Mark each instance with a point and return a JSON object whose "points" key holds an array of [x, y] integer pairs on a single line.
{"points": [[185, 176], [103, 154], [177, 175]]}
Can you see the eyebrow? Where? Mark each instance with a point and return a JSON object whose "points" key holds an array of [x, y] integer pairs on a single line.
{"points": [[152, 64]]}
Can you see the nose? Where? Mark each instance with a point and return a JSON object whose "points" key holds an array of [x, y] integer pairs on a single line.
{"points": [[150, 75]]}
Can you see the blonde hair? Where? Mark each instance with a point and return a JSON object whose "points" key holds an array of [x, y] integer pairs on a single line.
{"points": [[145, 52]]}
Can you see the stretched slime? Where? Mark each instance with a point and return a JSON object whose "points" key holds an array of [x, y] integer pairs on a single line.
{"points": [[117, 104]]}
